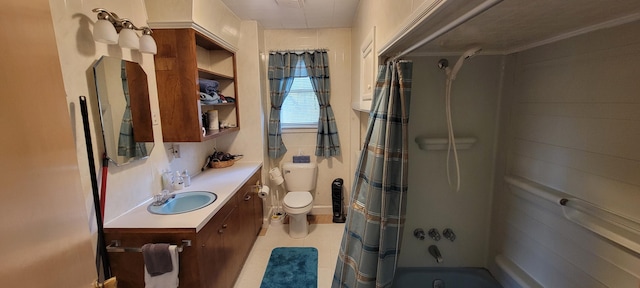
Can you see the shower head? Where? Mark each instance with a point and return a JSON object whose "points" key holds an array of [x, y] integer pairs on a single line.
{"points": [[466, 55], [472, 52]]}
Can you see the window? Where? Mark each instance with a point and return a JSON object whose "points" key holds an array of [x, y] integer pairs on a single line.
{"points": [[300, 109]]}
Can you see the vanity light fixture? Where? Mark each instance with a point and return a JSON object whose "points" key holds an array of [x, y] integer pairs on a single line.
{"points": [[108, 26]]}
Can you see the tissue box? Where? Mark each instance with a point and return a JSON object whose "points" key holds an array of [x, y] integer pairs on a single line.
{"points": [[302, 159]]}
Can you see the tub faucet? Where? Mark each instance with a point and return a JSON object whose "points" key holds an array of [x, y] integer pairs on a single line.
{"points": [[435, 252]]}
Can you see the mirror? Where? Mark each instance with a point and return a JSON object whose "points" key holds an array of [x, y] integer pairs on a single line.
{"points": [[125, 111]]}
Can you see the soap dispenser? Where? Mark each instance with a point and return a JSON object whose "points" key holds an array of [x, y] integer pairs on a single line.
{"points": [[186, 178], [178, 181]]}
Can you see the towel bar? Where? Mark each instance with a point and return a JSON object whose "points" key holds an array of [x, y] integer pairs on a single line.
{"points": [[115, 247]]}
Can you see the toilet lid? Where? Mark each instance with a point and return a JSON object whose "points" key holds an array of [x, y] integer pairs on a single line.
{"points": [[298, 199]]}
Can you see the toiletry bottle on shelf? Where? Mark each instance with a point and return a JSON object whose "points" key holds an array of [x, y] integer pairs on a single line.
{"points": [[178, 182], [167, 180], [186, 178]]}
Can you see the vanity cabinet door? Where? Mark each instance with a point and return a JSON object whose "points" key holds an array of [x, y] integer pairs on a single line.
{"points": [[213, 256], [248, 232]]}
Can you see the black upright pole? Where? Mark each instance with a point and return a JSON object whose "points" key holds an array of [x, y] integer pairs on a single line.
{"points": [[102, 247]]}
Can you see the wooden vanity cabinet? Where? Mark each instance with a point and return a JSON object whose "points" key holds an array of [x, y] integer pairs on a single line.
{"points": [[185, 56], [218, 250]]}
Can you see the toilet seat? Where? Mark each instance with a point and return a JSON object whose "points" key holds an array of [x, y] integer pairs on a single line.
{"points": [[297, 202], [298, 199]]}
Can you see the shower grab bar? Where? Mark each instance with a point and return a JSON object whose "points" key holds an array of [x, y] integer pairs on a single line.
{"points": [[115, 247], [618, 229]]}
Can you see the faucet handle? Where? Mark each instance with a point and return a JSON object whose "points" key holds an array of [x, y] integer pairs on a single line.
{"points": [[419, 233], [448, 233], [434, 234]]}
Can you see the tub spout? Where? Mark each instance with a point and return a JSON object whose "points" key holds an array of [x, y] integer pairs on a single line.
{"points": [[435, 252]]}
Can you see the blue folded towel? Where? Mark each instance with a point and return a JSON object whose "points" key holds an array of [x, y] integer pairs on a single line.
{"points": [[208, 86]]}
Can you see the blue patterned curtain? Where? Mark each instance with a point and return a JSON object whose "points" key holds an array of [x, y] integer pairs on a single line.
{"points": [[327, 143], [370, 244], [282, 70], [127, 146]]}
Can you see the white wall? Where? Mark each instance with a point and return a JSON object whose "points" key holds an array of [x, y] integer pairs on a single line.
{"points": [[45, 241], [131, 184], [338, 43], [212, 15], [431, 202], [570, 123]]}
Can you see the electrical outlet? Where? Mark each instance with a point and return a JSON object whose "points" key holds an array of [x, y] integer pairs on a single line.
{"points": [[176, 150], [155, 120]]}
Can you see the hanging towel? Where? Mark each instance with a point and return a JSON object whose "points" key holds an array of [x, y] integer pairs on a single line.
{"points": [[164, 280], [157, 259]]}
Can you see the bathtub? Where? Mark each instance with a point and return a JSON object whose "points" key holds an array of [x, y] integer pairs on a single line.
{"points": [[444, 278]]}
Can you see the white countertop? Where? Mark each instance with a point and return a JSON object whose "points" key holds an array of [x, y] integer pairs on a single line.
{"points": [[223, 182]]}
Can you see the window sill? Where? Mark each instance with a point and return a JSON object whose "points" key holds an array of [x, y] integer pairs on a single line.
{"points": [[299, 130]]}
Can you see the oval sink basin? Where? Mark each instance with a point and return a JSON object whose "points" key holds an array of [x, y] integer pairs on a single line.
{"points": [[184, 202]]}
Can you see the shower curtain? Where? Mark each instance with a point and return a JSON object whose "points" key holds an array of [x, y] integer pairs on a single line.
{"points": [[127, 145], [370, 244]]}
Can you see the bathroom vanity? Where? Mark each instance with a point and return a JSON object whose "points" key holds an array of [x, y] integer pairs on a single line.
{"points": [[221, 235]]}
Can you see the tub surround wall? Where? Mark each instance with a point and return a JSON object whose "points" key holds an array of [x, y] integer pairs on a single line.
{"points": [[431, 202], [338, 43], [570, 123]]}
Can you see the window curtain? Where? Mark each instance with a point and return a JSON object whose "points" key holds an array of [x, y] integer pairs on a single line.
{"points": [[282, 70], [317, 64], [127, 146], [370, 243]]}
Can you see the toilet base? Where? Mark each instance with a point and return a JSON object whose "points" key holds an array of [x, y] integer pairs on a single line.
{"points": [[298, 226]]}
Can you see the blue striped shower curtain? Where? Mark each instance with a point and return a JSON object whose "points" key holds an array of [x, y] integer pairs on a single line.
{"points": [[376, 214], [127, 145]]}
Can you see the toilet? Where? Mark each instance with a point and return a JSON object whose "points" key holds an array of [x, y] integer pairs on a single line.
{"points": [[299, 179]]}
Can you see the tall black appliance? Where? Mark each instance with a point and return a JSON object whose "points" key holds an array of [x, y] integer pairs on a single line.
{"points": [[337, 198]]}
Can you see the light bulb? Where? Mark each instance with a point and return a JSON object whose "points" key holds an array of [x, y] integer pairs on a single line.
{"points": [[104, 32], [129, 39], [148, 44]]}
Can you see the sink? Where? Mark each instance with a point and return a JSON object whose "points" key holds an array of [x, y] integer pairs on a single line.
{"points": [[184, 202]]}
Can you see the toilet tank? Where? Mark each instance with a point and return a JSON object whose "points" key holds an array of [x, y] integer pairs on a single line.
{"points": [[300, 176]]}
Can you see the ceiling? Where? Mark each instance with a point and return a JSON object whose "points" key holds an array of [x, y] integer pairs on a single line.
{"points": [[296, 14], [516, 25], [510, 26]]}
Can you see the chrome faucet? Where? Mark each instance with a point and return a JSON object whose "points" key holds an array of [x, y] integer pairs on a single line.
{"points": [[162, 198], [448, 233], [435, 252], [434, 234], [419, 233]]}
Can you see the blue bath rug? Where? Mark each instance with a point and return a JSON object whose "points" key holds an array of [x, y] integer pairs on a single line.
{"points": [[292, 267]]}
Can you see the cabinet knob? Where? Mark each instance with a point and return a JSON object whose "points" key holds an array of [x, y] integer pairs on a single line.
{"points": [[224, 226], [220, 231], [247, 197]]}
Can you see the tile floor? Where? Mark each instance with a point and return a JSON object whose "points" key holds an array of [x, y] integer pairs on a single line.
{"points": [[325, 237]]}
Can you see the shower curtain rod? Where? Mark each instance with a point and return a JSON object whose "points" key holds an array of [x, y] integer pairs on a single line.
{"points": [[452, 25]]}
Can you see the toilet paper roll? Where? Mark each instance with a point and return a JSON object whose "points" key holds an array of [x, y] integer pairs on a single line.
{"points": [[264, 192], [214, 122], [276, 176]]}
